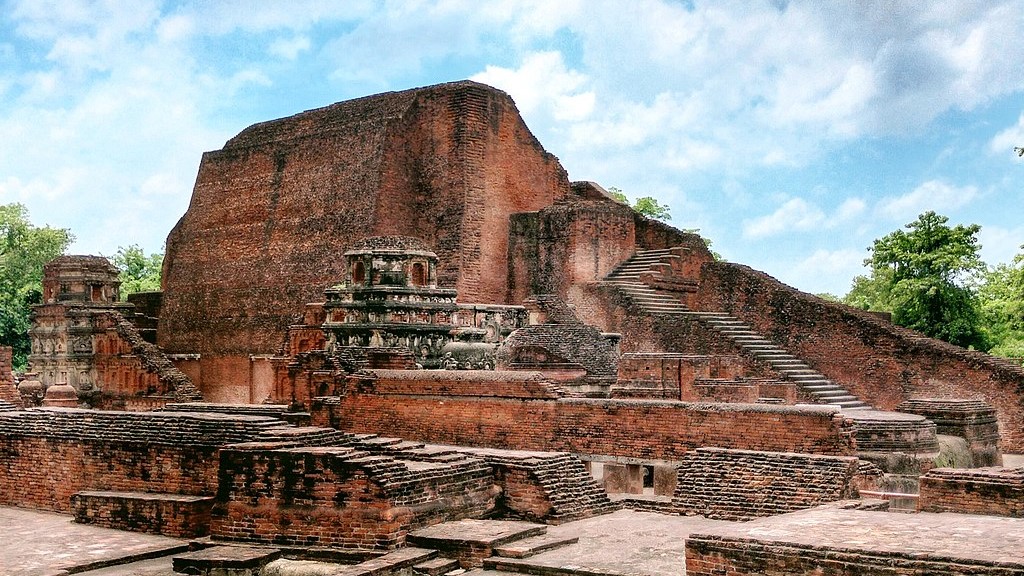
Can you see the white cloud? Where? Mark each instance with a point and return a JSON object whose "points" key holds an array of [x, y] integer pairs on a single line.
{"points": [[795, 214], [932, 195], [1000, 245], [827, 271], [1006, 140], [543, 82], [289, 48], [850, 209]]}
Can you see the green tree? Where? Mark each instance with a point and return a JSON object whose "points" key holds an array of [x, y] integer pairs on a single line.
{"points": [[646, 205], [24, 249], [139, 273], [871, 292], [1001, 294], [929, 268]]}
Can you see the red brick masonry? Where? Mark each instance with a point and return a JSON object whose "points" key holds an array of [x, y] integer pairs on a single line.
{"points": [[406, 406]]}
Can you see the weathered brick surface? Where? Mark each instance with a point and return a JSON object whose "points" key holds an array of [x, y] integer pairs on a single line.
{"points": [[972, 420], [46, 455], [875, 360], [272, 210], [488, 383], [743, 484], [165, 514], [993, 491], [341, 497], [8, 390], [714, 556], [641, 429]]}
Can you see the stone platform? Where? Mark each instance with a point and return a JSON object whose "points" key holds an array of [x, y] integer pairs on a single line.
{"points": [[34, 543], [622, 543], [846, 543]]}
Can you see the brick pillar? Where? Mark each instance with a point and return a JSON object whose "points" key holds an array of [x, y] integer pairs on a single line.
{"points": [[623, 478], [8, 391], [664, 480]]}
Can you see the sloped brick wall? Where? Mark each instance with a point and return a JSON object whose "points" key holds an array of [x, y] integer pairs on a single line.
{"points": [[742, 484], [879, 362]]}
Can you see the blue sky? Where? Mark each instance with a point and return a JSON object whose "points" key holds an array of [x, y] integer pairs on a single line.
{"points": [[790, 133]]}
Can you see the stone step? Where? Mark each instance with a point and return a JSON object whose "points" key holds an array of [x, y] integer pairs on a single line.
{"points": [[382, 441], [804, 377], [535, 545], [436, 567], [851, 405], [824, 386], [838, 394], [781, 358]]}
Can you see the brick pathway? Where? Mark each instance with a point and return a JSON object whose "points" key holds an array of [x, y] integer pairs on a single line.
{"points": [[34, 543]]}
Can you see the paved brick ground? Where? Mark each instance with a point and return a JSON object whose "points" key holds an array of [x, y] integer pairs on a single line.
{"points": [[622, 543], [963, 537], [34, 543]]}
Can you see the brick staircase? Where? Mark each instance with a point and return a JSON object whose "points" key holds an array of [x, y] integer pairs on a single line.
{"points": [[626, 278], [566, 483], [812, 382]]}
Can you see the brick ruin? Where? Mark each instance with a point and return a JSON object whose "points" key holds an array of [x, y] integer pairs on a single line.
{"points": [[416, 265]]}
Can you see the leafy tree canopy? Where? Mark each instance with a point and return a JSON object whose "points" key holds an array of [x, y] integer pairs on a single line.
{"points": [[646, 205], [923, 274], [24, 249], [1001, 293], [139, 273]]}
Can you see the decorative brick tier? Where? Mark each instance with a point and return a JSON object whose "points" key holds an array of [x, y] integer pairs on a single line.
{"points": [[341, 497], [742, 484], [6, 406], [166, 514], [973, 420], [993, 491], [879, 431]]}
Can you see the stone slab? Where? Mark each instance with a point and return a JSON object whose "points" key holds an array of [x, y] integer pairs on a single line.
{"points": [[475, 532], [959, 538], [38, 543], [231, 557], [534, 545], [435, 567]]}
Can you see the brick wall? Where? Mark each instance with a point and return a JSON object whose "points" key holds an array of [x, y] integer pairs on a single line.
{"points": [[341, 497], [488, 383], [165, 514], [875, 360], [640, 429], [991, 491], [271, 211], [743, 484], [46, 455]]}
